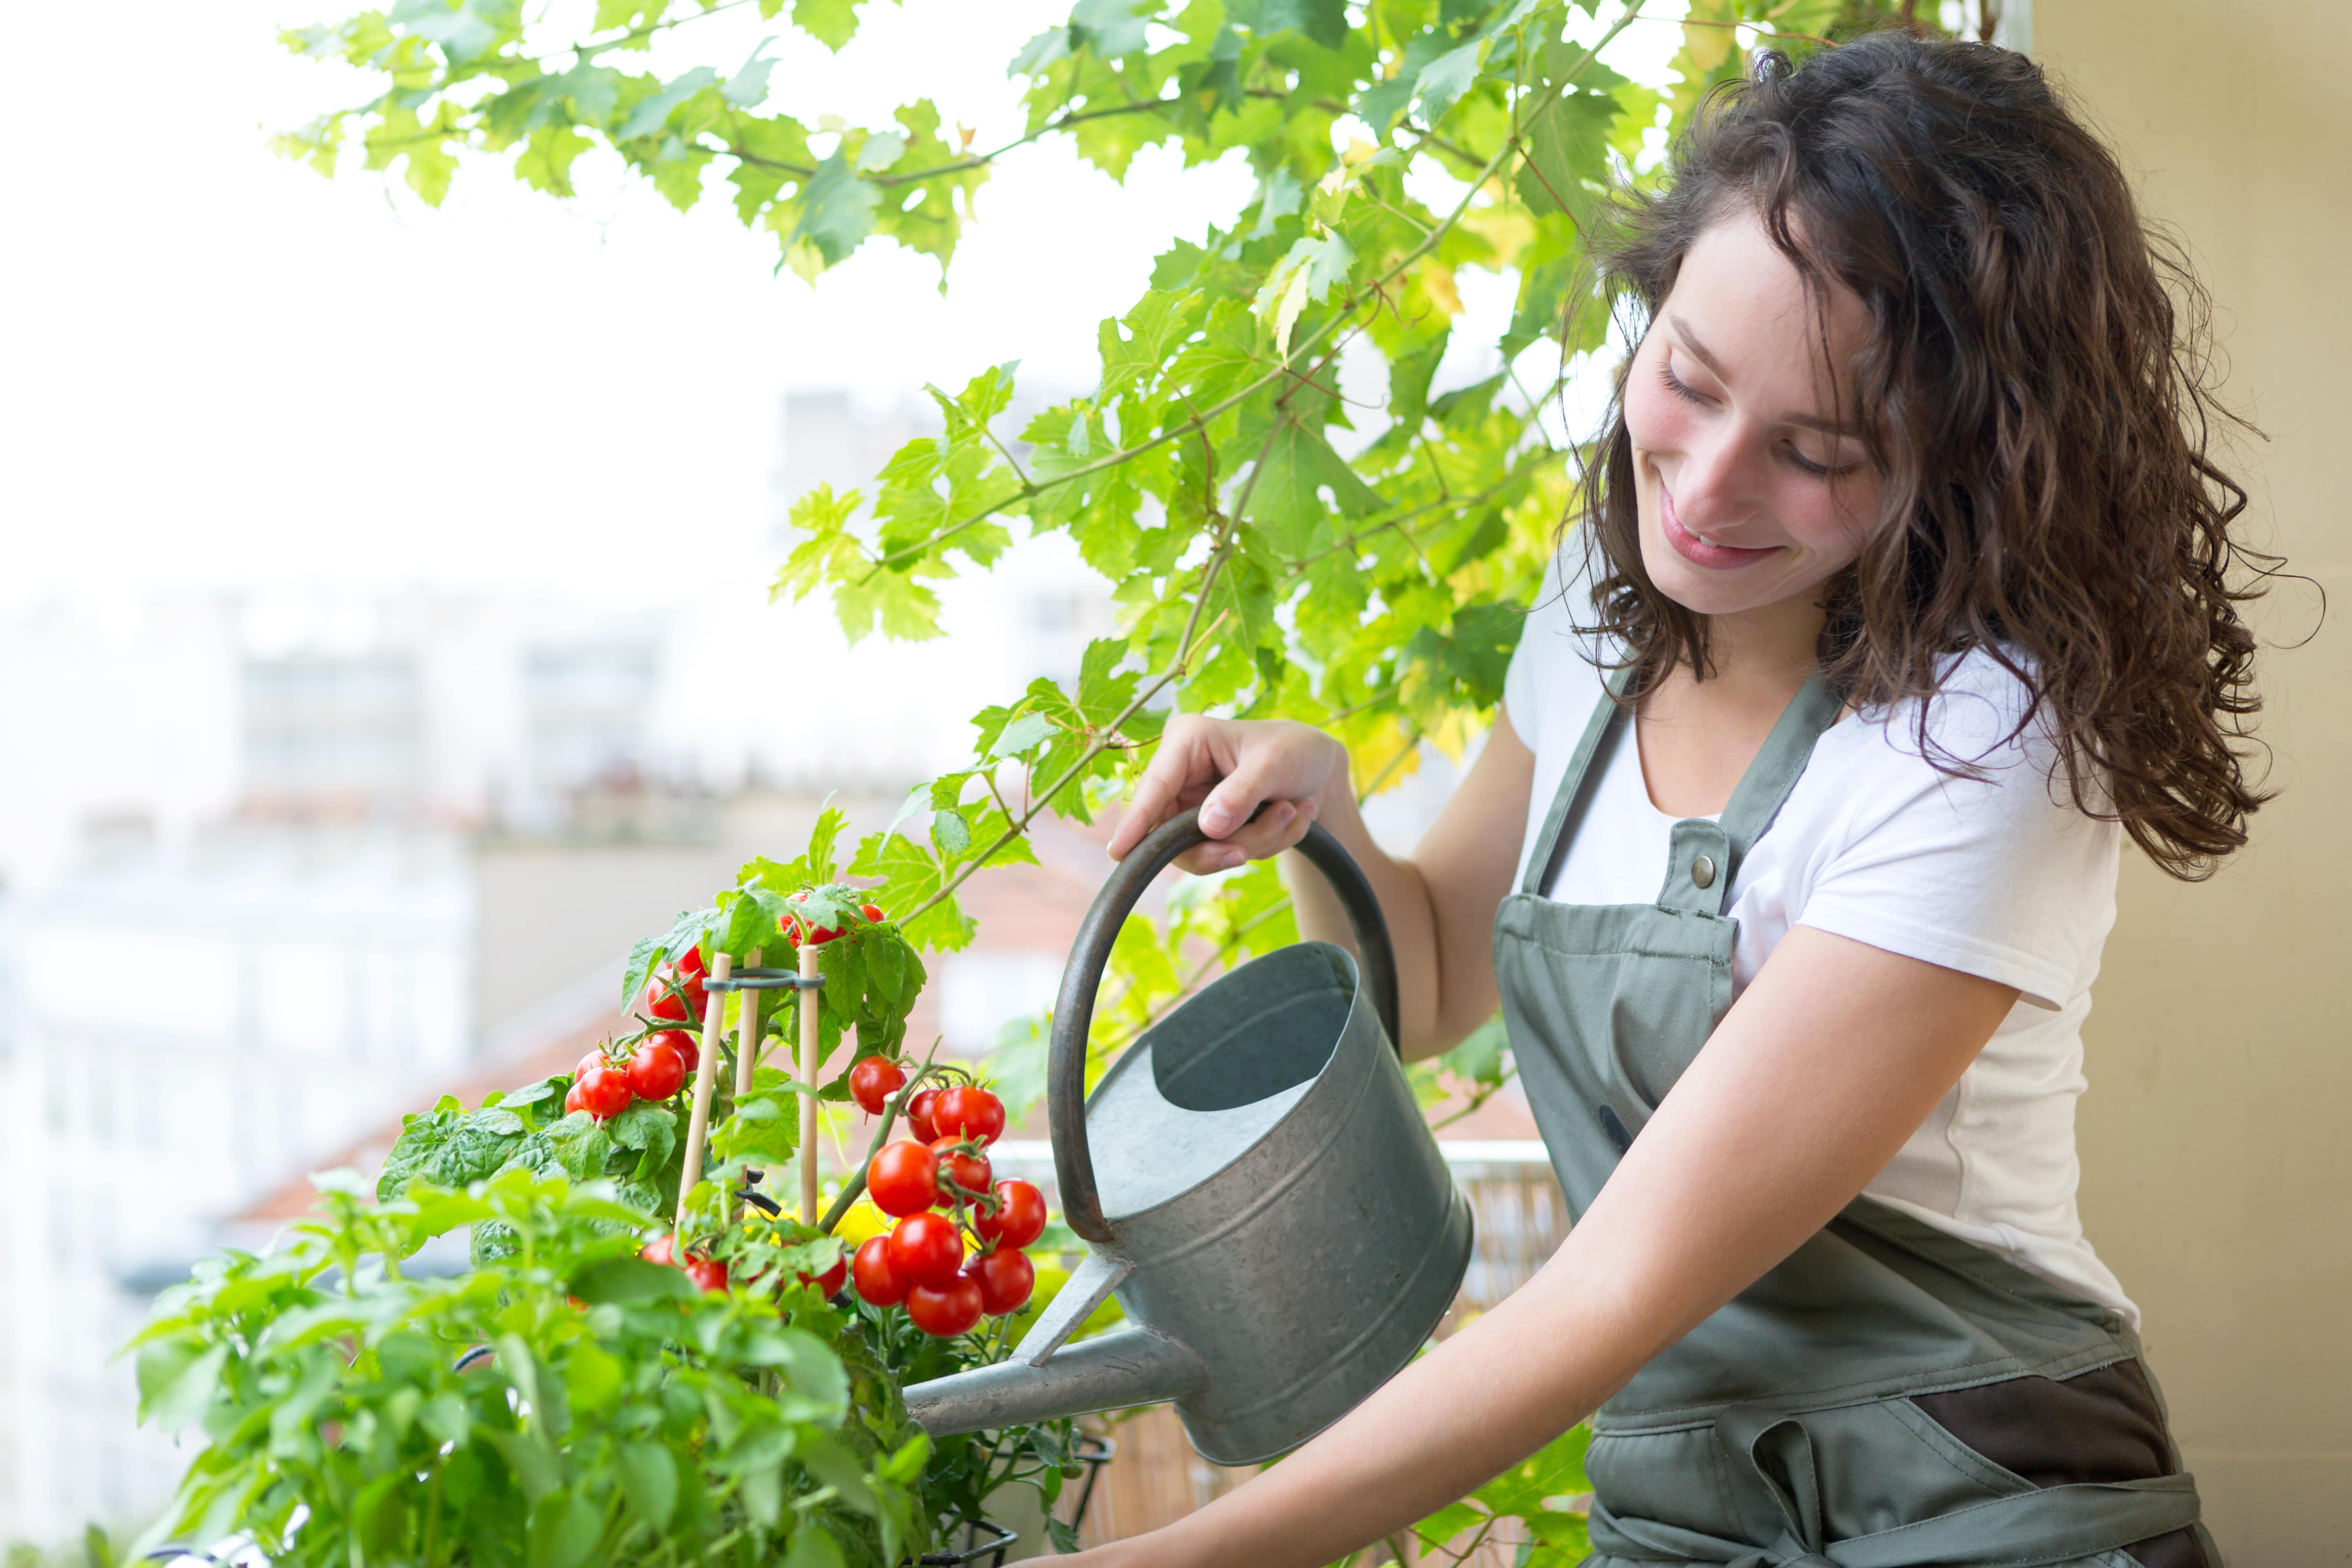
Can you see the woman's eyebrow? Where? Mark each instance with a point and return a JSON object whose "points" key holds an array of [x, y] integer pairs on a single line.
{"points": [[1699, 351]]}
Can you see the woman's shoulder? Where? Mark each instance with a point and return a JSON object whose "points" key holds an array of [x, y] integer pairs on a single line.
{"points": [[1982, 717], [1557, 666], [1979, 747]]}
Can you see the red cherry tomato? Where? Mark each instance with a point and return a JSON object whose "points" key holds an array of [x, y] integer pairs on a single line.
{"points": [[605, 1092], [1020, 1216], [873, 1081], [873, 912], [690, 965], [695, 995], [662, 1004], [595, 1059], [709, 1275], [572, 1101], [943, 1311], [661, 1249], [654, 1072], [1005, 1276], [877, 1276], [828, 1284], [903, 1178], [969, 1172], [968, 1112], [688, 1052], [919, 1114], [926, 1250]]}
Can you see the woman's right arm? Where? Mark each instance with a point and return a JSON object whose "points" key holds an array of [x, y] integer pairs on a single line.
{"points": [[1439, 904]]}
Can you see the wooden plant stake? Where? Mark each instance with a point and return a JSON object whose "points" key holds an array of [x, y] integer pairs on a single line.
{"points": [[747, 1044], [706, 1082], [812, 1061]]}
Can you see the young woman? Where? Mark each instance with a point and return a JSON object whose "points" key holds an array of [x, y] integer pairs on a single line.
{"points": [[1904, 594]]}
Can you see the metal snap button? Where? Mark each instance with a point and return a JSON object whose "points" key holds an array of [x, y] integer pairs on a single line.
{"points": [[1703, 872]]}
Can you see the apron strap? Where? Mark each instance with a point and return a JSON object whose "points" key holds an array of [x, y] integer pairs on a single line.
{"points": [[1543, 862], [1703, 857]]}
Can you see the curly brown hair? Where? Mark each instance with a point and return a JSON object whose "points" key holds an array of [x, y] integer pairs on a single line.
{"points": [[2036, 393]]}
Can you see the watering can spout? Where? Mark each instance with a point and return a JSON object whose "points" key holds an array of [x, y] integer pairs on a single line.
{"points": [[1112, 1371]]}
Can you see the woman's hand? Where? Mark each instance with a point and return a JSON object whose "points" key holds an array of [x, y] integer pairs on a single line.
{"points": [[1229, 767]]}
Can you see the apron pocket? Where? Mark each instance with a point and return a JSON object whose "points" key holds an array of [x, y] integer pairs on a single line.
{"points": [[2106, 1425]]}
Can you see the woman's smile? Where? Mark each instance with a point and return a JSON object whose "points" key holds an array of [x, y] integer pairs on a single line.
{"points": [[1697, 548]]}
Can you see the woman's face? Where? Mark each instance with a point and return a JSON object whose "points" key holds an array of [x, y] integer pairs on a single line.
{"points": [[1752, 490]]}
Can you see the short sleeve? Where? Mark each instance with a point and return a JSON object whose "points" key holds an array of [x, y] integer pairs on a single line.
{"points": [[1999, 875]]}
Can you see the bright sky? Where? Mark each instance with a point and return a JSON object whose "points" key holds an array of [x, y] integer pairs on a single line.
{"points": [[224, 371]]}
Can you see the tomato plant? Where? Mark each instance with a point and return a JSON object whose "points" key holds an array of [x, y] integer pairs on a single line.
{"points": [[651, 1420]]}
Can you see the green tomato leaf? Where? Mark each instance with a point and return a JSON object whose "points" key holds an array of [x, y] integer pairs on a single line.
{"points": [[625, 1281]]}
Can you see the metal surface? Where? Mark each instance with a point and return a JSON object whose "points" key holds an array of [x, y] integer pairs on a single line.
{"points": [[1116, 1371], [1261, 1191], [1074, 1008]]}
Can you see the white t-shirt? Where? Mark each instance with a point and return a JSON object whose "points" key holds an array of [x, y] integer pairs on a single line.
{"points": [[1999, 877]]}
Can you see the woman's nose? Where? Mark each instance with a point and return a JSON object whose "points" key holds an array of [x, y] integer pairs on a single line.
{"points": [[1717, 480]]}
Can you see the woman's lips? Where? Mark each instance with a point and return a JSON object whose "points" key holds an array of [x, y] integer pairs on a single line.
{"points": [[1696, 551]]}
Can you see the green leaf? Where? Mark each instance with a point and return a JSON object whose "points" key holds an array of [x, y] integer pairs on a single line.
{"points": [[654, 113], [1287, 500], [813, 1548], [1111, 28], [831, 22], [1324, 21], [546, 160], [1443, 81], [627, 1281], [748, 88], [177, 1380], [1568, 146], [650, 1481], [1020, 736], [564, 1527], [951, 833], [836, 211]]}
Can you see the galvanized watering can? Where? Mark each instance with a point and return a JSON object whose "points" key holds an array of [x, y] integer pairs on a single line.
{"points": [[1257, 1187]]}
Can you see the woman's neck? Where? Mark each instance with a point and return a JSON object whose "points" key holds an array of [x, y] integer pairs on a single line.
{"points": [[1698, 737], [1771, 646]]}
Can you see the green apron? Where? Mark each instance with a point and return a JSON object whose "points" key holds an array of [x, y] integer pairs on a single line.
{"points": [[1782, 1430]]}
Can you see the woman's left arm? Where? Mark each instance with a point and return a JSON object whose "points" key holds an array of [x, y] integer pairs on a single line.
{"points": [[1811, 1083]]}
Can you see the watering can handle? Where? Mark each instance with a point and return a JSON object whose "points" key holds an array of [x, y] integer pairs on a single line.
{"points": [[1073, 1010]]}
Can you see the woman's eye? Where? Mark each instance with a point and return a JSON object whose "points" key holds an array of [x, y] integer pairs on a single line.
{"points": [[1674, 382], [1806, 465]]}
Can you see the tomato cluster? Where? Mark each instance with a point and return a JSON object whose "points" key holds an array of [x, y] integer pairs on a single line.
{"points": [[920, 1261], [605, 1084]]}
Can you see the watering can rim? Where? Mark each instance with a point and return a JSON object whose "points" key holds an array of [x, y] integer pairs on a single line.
{"points": [[1074, 1007]]}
